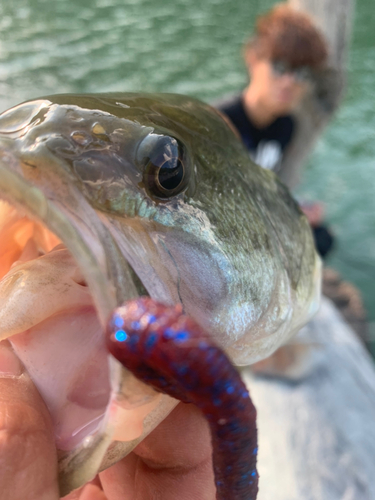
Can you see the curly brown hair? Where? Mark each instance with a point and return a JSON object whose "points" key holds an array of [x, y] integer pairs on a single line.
{"points": [[288, 35]]}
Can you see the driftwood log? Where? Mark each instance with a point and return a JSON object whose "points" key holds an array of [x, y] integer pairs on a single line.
{"points": [[334, 18], [317, 427]]}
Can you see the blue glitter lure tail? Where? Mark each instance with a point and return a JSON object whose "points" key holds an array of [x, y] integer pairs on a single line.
{"points": [[169, 351]]}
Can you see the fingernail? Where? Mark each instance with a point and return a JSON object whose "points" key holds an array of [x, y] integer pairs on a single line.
{"points": [[10, 365]]}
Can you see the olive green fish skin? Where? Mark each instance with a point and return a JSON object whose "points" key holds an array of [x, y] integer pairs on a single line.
{"points": [[232, 246]]}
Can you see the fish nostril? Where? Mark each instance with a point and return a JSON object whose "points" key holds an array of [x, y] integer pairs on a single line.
{"points": [[82, 138]]}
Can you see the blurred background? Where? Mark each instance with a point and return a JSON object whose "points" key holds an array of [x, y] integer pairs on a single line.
{"points": [[194, 48]]}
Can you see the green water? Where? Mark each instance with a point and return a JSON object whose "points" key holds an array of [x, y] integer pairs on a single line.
{"points": [[195, 48]]}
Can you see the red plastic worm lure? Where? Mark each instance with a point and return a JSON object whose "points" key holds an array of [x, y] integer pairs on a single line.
{"points": [[169, 351]]}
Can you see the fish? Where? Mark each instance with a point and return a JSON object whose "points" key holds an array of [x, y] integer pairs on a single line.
{"points": [[108, 197]]}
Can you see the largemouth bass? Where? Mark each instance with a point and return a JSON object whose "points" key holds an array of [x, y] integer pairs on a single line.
{"points": [[108, 197]]}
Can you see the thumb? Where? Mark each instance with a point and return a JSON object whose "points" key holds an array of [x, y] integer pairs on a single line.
{"points": [[28, 462]]}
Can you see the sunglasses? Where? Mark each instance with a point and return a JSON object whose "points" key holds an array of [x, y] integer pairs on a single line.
{"points": [[300, 74]]}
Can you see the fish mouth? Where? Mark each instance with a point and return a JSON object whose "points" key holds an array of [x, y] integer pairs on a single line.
{"points": [[61, 276]]}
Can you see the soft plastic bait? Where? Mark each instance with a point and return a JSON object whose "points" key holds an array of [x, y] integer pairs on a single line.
{"points": [[169, 351]]}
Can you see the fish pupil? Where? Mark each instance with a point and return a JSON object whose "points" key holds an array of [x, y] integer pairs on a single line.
{"points": [[171, 177], [165, 171]]}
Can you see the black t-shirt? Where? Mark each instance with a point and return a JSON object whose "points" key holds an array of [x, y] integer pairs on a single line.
{"points": [[266, 145]]}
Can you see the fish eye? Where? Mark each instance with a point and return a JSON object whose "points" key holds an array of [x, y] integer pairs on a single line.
{"points": [[164, 172]]}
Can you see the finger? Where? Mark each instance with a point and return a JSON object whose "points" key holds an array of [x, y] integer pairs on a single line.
{"points": [[174, 461], [28, 463], [92, 492]]}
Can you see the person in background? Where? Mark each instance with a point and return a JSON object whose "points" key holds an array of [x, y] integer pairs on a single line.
{"points": [[282, 57]]}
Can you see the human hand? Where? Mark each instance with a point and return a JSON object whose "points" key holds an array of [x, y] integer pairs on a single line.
{"points": [[174, 461], [28, 461], [314, 212]]}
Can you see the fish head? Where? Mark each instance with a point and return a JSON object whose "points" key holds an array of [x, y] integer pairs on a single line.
{"points": [[142, 194]]}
